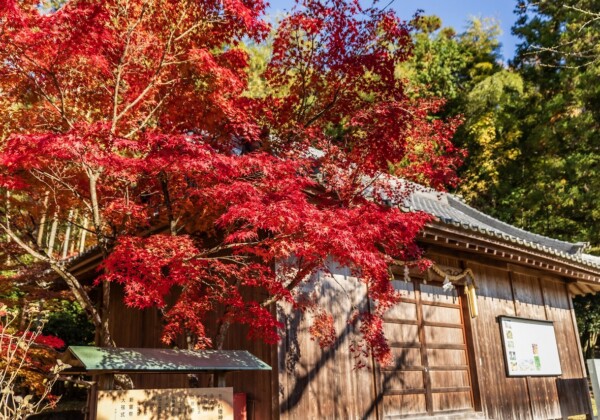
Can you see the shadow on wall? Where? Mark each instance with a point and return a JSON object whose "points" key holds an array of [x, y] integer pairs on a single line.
{"points": [[294, 363], [324, 382]]}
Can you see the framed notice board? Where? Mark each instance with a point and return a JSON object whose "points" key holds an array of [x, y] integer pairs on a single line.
{"points": [[166, 404], [530, 347]]}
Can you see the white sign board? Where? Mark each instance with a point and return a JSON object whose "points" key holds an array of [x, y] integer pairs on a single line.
{"points": [[529, 347], [166, 404]]}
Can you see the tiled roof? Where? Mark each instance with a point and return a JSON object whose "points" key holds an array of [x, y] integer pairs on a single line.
{"points": [[450, 210]]}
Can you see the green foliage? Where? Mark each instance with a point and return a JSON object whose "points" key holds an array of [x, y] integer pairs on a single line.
{"points": [[561, 189], [588, 322], [447, 65], [465, 69], [530, 128], [550, 188], [260, 55], [69, 322], [491, 134]]}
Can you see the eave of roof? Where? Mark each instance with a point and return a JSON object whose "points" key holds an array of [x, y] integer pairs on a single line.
{"points": [[450, 211]]}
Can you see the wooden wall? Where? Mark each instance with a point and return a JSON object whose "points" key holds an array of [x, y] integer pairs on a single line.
{"points": [[430, 373], [143, 328], [528, 294], [324, 384], [310, 382]]}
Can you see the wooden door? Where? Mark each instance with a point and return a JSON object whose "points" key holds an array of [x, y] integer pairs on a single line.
{"points": [[430, 374]]}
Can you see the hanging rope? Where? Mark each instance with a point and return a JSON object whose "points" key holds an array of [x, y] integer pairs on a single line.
{"points": [[465, 278]]}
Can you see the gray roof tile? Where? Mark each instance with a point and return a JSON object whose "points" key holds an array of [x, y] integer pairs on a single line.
{"points": [[449, 209]]}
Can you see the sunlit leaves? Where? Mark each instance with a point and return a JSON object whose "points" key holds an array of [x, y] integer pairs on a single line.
{"points": [[211, 201]]}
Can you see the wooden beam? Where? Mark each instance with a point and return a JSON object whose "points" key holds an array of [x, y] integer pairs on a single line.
{"points": [[575, 290], [478, 244]]}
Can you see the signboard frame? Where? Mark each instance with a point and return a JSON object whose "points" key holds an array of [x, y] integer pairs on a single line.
{"points": [[168, 404], [510, 348]]}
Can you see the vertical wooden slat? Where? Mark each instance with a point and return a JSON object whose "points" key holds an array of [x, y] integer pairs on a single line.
{"points": [[424, 356], [576, 331], [574, 397], [470, 368], [324, 383], [503, 398], [560, 311], [472, 351], [373, 366]]}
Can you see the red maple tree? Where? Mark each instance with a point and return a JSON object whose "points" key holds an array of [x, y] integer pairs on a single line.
{"points": [[135, 115]]}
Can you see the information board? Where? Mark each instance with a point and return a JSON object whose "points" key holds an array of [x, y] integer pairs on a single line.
{"points": [[166, 404], [529, 347]]}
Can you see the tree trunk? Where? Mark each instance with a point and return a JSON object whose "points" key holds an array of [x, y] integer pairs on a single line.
{"points": [[52, 237], [83, 233], [41, 227], [65, 247]]}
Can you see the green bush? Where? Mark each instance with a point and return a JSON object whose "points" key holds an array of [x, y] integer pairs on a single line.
{"points": [[70, 322]]}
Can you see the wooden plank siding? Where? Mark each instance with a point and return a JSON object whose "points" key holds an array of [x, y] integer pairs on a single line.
{"points": [[560, 310], [430, 372], [529, 303], [316, 383], [444, 360], [526, 295], [502, 397], [143, 328]]}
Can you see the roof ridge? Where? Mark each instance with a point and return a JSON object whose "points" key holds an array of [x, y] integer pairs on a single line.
{"points": [[455, 202]]}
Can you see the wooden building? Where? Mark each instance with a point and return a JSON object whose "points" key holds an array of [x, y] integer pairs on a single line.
{"points": [[451, 357], [449, 361]]}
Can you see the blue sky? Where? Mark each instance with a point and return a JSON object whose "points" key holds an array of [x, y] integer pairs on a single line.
{"points": [[454, 13]]}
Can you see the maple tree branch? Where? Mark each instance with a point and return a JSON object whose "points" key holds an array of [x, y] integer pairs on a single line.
{"points": [[43, 92], [153, 79], [167, 197], [235, 259], [76, 288], [326, 108], [147, 119], [121, 67], [366, 187], [221, 248], [190, 29], [300, 276], [61, 96], [39, 175]]}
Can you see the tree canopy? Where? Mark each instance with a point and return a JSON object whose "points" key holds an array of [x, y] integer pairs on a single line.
{"points": [[130, 122]]}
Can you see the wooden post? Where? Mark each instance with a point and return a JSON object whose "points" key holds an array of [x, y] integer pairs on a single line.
{"points": [[220, 376], [106, 381], [92, 402]]}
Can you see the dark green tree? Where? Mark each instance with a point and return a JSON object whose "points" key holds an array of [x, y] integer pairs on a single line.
{"points": [[69, 322], [588, 323], [557, 192], [466, 69]]}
